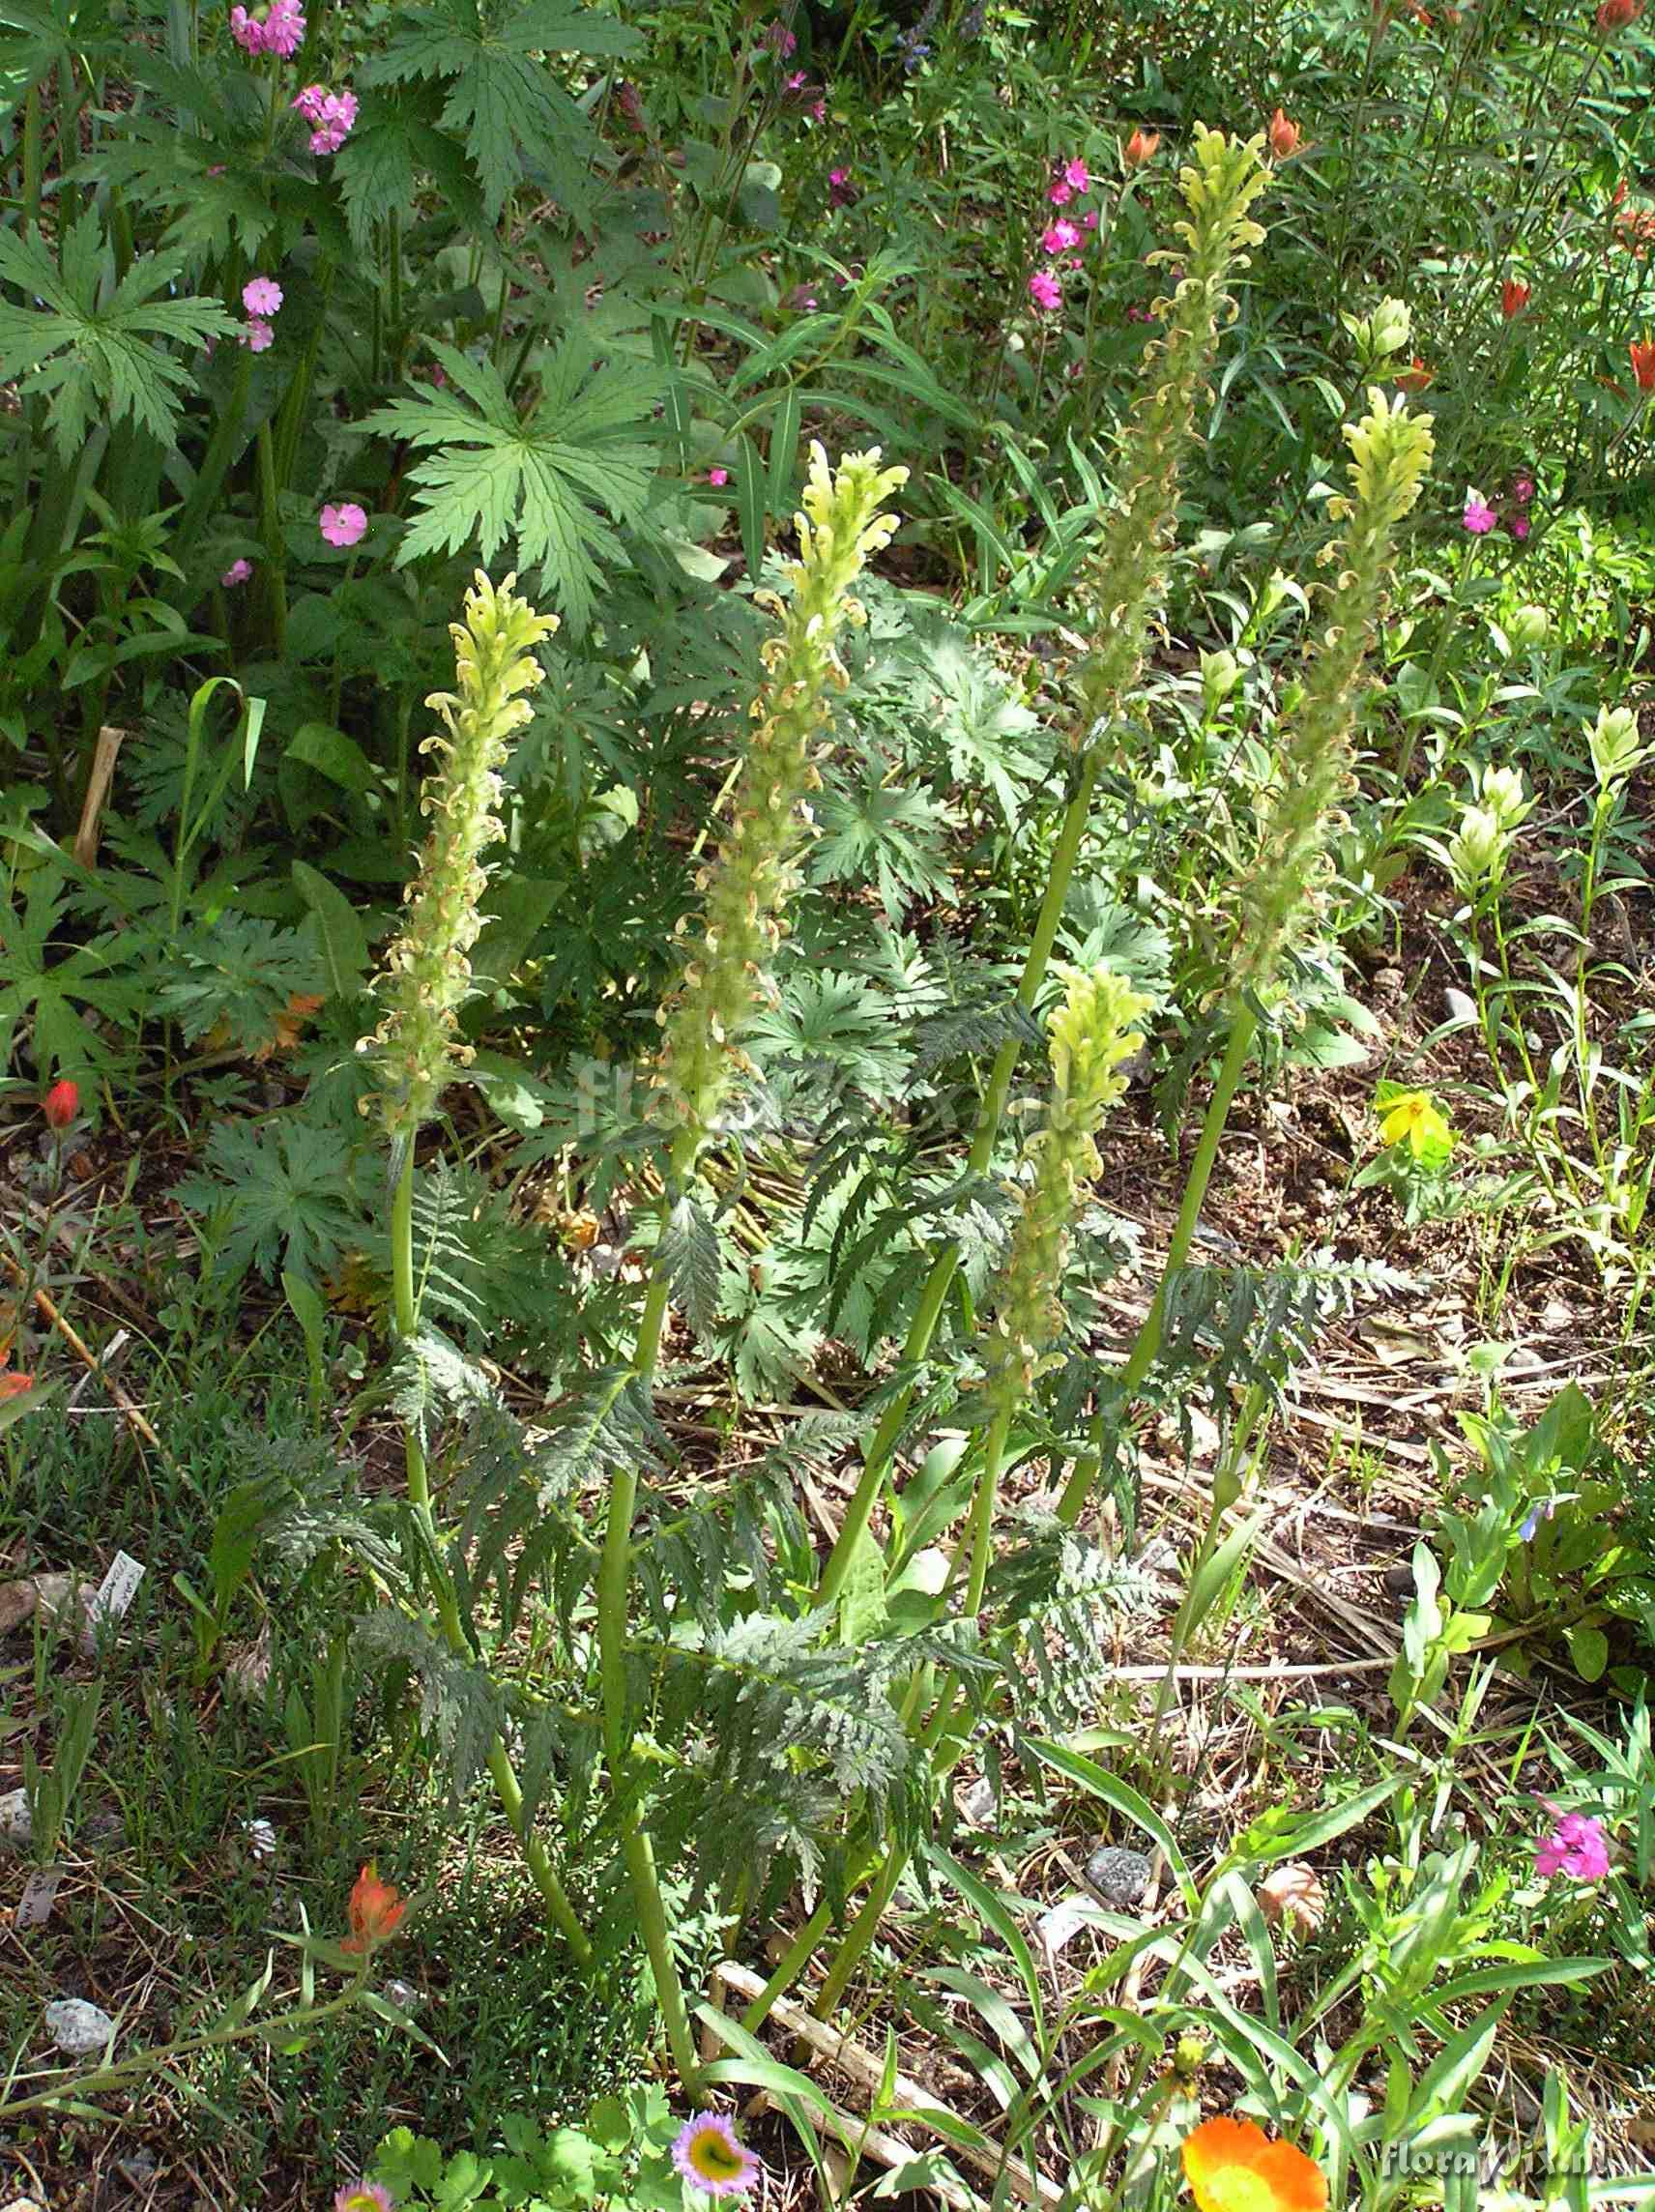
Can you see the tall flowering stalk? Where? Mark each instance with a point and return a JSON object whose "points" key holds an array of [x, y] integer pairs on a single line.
{"points": [[1223, 179], [746, 891], [418, 1047], [1089, 1037], [1391, 452]]}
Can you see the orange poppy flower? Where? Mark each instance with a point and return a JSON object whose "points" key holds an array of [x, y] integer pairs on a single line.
{"points": [[1416, 377], [376, 1909], [1644, 363], [1140, 148], [1232, 2165], [1514, 298], [15, 1387]]}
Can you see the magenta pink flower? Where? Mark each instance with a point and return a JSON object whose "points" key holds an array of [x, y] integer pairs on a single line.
{"points": [[257, 338], [1523, 488], [1058, 193], [841, 192], [1519, 526], [236, 574], [343, 524], [1045, 290], [1059, 235], [718, 478], [279, 30], [1576, 1846], [779, 39], [1479, 516], [331, 112], [818, 110], [1089, 220], [261, 296], [365, 2197], [1077, 176]]}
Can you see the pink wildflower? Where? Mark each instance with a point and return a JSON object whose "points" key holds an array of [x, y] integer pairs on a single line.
{"points": [[1060, 236], [279, 30], [1059, 192], [1518, 525], [236, 574], [1089, 220], [795, 82], [365, 2197], [779, 39], [261, 296], [1522, 488], [818, 111], [709, 2155], [1479, 516], [331, 112], [841, 192], [1576, 1846], [343, 524], [718, 478], [1045, 290], [1077, 176], [258, 337]]}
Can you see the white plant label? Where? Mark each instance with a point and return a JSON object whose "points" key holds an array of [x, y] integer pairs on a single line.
{"points": [[40, 1894], [115, 1593]]}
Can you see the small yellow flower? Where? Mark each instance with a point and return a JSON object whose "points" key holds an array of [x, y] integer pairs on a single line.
{"points": [[1410, 1118]]}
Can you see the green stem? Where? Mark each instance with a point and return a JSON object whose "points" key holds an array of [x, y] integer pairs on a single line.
{"points": [[274, 552], [933, 1297], [1243, 1028], [614, 1575], [406, 1309]]}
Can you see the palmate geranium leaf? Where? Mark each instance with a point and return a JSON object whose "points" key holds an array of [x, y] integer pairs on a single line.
{"points": [[514, 116], [95, 345], [395, 147], [539, 481]]}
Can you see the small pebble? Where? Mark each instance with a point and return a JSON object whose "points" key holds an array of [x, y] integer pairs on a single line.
{"points": [[79, 2029], [1398, 1579], [1120, 1876]]}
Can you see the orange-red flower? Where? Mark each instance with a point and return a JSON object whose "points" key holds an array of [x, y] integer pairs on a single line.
{"points": [[1514, 298], [1232, 2165], [1140, 148], [61, 1104], [1644, 363], [1415, 377], [1618, 14], [1286, 138], [14, 1386], [376, 1911]]}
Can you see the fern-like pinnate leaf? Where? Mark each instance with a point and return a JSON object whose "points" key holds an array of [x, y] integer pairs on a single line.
{"points": [[515, 118], [544, 480], [96, 344]]}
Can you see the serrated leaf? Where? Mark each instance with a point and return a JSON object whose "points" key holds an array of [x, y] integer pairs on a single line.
{"points": [[688, 1250], [540, 480], [502, 98], [95, 345]]}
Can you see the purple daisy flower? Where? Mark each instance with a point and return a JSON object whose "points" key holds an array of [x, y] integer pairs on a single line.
{"points": [[709, 2156]]}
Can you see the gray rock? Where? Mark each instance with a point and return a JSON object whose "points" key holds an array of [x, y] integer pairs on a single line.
{"points": [[17, 1822], [1120, 1876], [80, 2030]]}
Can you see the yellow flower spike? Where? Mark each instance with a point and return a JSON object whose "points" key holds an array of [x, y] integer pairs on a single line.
{"points": [[427, 971], [748, 887], [1091, 1036]]}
